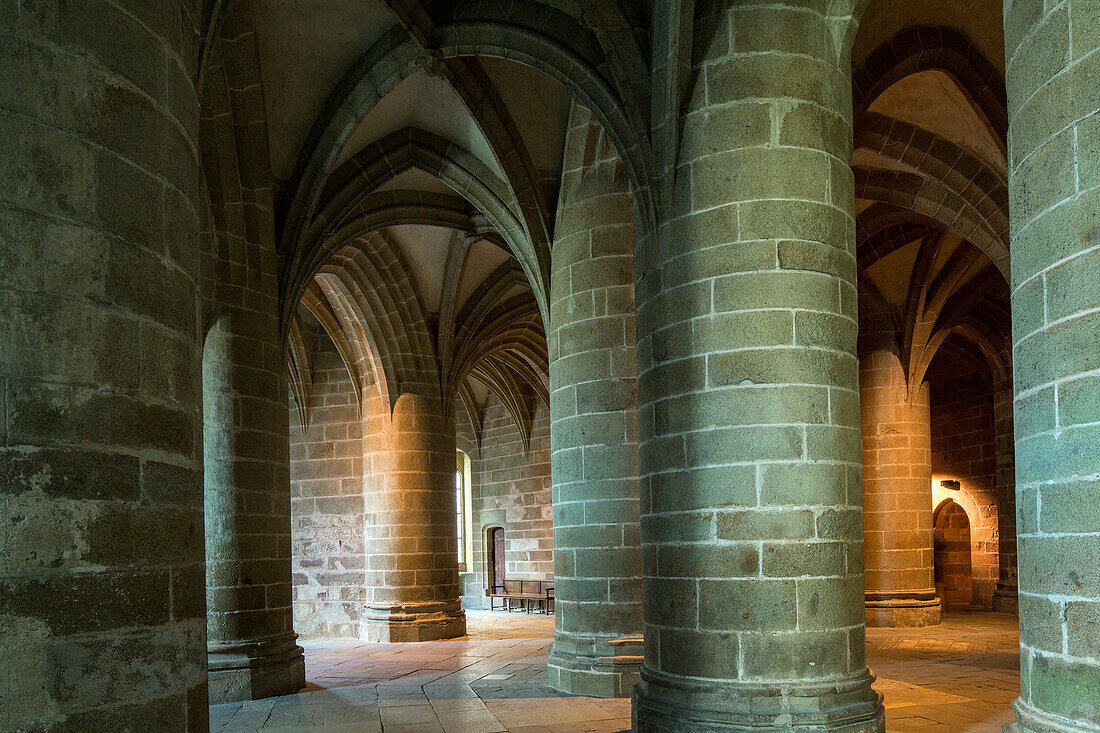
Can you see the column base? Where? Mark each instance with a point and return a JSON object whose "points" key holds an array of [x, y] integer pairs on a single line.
{"points": [[255, 669], [1033, 720], [666, 705], [599, 668], [912, 611], [1005, 599], [412, 622]]}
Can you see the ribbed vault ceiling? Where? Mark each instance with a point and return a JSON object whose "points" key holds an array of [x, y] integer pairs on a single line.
{"points": [[480, 312], [407, 99]]}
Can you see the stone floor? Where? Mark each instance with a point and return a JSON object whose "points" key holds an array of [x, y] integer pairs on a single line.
{"points": [[960, 676]]}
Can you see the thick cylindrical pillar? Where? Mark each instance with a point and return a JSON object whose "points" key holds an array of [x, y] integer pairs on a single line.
{"points": [[102, 612], [748, 402], [411, 531], [250, 635], [594, 435], [897, 495], [1052, 52]]}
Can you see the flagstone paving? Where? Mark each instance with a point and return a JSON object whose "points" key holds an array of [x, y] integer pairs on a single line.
{"points": [[960, 676]]}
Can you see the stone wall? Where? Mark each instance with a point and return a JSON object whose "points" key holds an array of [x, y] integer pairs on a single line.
{"points": [[964, 450], [511, 489], [326, 485]]}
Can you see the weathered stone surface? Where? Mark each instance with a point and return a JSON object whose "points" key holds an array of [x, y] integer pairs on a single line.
{"points": [[742, 355], [101, 562], [326, 483], [1054, 105], [593, 428], [411, 536], [897, 501]]}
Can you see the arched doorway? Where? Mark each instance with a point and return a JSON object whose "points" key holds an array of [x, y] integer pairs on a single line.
{"points": [[951, 556]]}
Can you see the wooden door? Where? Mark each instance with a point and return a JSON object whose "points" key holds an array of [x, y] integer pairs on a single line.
{"points": [[498, 556]]}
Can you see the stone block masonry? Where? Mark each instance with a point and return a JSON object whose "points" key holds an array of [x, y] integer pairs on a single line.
{"points": [[897, 498], [594, 424], [326, 465], [250, 635], [1052, 56], [1005, 597], [624, 237], [964, 449], [252, 648], [954, 570], [410, 530], [748, 401], [511, 489], [101, 566]]}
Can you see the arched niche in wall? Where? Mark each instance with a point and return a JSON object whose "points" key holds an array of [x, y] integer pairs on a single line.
{"points": [[952, 555]]}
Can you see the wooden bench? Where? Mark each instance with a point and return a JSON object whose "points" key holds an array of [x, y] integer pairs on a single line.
{"points": [[527, 592]]}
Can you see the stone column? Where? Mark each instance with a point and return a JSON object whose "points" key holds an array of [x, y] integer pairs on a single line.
{"points": [[1004, 592], [897, 495], [748, 402], [1054, 194], [594, 433], [411, 535], [250, 635], [102, 616]]}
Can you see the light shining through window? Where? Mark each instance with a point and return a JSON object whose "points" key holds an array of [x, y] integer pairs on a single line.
{"points": [[460, 504]]}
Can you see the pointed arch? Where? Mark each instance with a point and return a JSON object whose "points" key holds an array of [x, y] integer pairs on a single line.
{"points": [[940, 48], [951, 185], [347, 197]]}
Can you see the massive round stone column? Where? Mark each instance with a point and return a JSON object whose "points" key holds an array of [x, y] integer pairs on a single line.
{"points": [[102, 613], [594, 434], [250, 635], [1053, 64], [748, 402], [897, 495], [412, 539]]}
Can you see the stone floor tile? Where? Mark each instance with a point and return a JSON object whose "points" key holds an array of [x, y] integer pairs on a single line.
{"points": [[408, 714], [958, 677]]}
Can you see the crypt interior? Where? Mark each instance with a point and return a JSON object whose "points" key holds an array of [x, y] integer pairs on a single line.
{"points": [[550, 365]]}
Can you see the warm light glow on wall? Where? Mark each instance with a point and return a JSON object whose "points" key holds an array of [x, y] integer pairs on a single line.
{"points": [[946, 488], [943, 487]]}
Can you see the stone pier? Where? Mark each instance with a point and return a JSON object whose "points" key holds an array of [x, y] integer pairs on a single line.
{"points": [[250, 635], [748, 402], [897, 495], [1053, 65], [594, 427], [411, 535], [102, 607]]}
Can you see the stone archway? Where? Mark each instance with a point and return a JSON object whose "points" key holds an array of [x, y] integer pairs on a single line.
{"points": [[954, 573]]}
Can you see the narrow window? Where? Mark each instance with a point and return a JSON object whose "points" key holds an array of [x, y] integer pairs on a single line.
{"points": [[464, 511], [460, 504]]}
